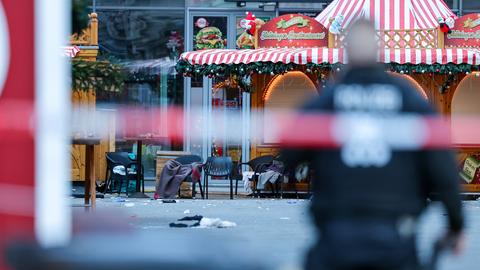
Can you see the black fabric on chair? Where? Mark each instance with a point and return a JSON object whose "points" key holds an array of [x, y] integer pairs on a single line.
{"points": [[120, 159], [218, 167], [189, 159]]}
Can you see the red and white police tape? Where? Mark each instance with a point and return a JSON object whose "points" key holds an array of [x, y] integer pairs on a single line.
{"points": [[287, 128]]}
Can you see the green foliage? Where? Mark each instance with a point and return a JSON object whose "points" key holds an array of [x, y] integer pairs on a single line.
{"points": [[187, 69], [101, 75], [80, 12], [449, 68]]}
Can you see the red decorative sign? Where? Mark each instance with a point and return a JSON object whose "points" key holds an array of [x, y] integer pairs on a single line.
{"points": [[466, 32], [292, 30]]}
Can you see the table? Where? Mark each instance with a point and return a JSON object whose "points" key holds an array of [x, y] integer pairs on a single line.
{"points": [[90, 179], [139, 193]]}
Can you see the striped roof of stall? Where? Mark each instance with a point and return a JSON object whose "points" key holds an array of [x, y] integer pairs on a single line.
{"points": [[302, 56], [71, 51], [388, 14]]}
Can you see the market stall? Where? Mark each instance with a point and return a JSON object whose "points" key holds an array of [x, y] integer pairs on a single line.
{"points": [[463, 100], [420, 41]]}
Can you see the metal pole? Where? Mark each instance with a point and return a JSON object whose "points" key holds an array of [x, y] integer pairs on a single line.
{"points": [[460, 8], [94, 5]]}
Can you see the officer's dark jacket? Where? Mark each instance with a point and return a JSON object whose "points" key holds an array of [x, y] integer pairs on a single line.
{"points": [[400, 188]]}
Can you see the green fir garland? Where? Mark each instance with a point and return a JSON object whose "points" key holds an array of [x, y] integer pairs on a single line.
{"points": [[100, 75], [185, 68]]}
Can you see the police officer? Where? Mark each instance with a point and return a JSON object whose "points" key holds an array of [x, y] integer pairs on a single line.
{"points": [[367, 195]]}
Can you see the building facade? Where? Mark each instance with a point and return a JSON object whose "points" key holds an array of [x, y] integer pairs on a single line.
{"points": [[149, 35]]}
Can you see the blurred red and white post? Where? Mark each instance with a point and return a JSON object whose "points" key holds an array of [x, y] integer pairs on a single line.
{"points": [[52, 133], [34, 167]]}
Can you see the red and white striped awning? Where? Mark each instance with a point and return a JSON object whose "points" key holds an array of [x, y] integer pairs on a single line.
{"points": [[71, 51], [388, 14], [302, 56]]}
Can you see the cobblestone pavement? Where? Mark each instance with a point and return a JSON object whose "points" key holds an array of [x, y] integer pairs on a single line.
{"points": [[279, 229]]}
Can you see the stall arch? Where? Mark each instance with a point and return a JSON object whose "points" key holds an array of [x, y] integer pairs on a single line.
{"points": [[284, 93], [288, 91], [412, 81], [465, 103]]}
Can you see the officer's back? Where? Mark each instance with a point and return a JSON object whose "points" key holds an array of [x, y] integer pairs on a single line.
{"points": [[368, 195]]}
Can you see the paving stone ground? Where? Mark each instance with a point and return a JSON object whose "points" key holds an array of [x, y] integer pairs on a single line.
{"points": [[279, 229]]}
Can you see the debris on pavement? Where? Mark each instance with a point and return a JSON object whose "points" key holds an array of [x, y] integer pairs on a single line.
{"points": [[179, 225], [202, 222], [196, 218], [129, 204], [169, 201], [190, 218], [186, 212], [216, 223]]}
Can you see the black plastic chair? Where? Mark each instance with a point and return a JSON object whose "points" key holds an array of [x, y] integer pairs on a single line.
{"points": [[284, 173], [258, 165], [218, 167], [189, 159], [121, 159]]}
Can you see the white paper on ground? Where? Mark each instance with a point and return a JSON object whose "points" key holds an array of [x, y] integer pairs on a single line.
{"points": [[216, 223]]}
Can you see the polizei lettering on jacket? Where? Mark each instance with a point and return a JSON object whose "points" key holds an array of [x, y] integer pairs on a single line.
{"points": [[373, 97]]}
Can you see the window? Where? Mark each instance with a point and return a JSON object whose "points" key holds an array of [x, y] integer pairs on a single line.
{"points": [[147, 42], [141, 3], [471, 6], [210, 32], [307, 9]]}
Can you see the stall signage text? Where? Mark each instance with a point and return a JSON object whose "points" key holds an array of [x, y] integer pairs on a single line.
{"points": [[466, 32], [292, 30]]}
